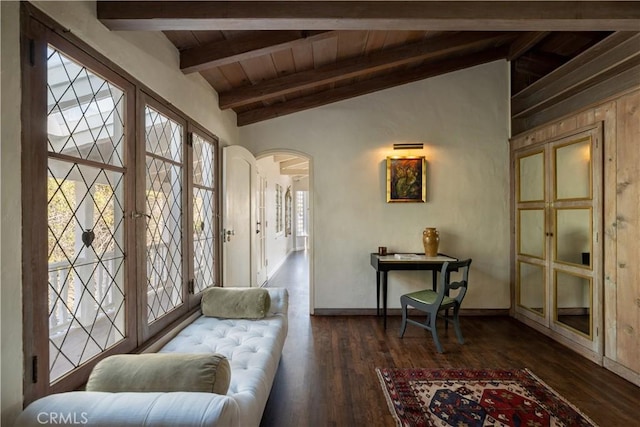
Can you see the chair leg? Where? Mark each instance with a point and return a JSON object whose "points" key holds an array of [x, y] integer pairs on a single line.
{"points": [[403, 326], [433, 321], [456, 324]]}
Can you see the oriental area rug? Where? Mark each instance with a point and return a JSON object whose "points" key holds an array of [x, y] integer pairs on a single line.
{"points": [[466, 397]]}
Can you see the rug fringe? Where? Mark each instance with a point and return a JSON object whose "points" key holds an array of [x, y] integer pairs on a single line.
{"points": [[392, 408], [389, 387]]}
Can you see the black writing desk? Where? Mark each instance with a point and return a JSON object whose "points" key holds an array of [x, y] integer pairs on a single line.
{"points": [[385, 263]]}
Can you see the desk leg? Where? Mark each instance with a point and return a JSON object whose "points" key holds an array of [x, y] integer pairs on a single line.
{"points": [[378, 273], [384, 297], [434, 280]]}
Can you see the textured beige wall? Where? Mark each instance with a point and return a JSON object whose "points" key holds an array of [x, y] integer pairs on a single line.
{"points": [[149, 57], [10, 271], [462, 118]]}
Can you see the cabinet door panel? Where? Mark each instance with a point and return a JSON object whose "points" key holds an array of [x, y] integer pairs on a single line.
{"points": [[573, 302], [531, 178], [532, 234], [531, 280], [573, 236], [573, 170]]}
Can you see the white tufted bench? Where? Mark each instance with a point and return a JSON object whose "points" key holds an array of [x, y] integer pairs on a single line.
{"points": [[253, 348]]}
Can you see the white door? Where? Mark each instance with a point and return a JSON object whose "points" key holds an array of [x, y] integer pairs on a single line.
{"points": [[239, 236]]}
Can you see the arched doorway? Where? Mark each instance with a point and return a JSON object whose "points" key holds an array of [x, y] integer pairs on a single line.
{"points": [[285, 211]]}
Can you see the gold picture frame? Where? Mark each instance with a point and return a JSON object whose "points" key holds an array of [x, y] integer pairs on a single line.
{"points": [[406, 179]]}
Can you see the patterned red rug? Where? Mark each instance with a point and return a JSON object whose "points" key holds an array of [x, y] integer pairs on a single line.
{"points": [[464, 397]]}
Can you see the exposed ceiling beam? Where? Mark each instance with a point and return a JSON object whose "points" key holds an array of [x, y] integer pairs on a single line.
{"points": [[618, 58], [538, 63], [225, 52], [592, 54], [368, 86], [350, 68], [365, 15], [296, 172], [283, 157], [524, 43], [293, 163]]}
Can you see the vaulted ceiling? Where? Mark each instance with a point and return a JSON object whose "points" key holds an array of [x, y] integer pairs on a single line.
{"points": [[270, 58]]}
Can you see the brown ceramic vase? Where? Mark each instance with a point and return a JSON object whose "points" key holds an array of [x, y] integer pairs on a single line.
{"points": [[430, 240]]}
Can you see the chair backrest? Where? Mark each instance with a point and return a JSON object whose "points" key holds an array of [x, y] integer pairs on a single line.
{"points": [[445, 278]]}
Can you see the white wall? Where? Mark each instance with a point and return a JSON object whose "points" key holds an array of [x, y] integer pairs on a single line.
{"points": [[10, 225], [149, 57], [462, 118], [277, 245]]}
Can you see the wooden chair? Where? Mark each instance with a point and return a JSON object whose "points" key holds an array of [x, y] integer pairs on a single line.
{"points": [[432, 302]]}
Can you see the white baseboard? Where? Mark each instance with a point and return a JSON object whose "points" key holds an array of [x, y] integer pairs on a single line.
{"points": [[275, 269]]}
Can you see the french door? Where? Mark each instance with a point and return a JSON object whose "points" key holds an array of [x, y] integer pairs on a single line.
{"points": [[559, 238], [177, 188], [120, 211]]}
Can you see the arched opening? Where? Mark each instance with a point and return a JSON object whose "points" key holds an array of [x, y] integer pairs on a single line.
{"points": [[285, 211]]}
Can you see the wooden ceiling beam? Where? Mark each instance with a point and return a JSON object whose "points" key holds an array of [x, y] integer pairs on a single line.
{"points": [[560, 85], [293, 163], [427, 49], [538, 63], [524, 43], [595, 52], [295, 172], [283, 157], [368, 86], [368, 15], [218, 53]]}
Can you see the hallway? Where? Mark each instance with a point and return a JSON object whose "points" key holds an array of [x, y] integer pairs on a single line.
{"points": [[327, 374]]}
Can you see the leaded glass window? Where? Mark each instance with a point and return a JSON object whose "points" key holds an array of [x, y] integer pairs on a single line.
{"points": [[85, 203], [164, 186], [204, 210]]}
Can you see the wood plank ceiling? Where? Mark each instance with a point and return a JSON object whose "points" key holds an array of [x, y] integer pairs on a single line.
{"points": [[266, 59]]}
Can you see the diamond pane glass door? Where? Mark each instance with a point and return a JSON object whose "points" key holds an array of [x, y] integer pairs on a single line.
{"points": [[85, 202], [164, 186], [204, 210]]}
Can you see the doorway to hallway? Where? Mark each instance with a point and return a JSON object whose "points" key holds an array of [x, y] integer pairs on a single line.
{"points": [[284, 212]]}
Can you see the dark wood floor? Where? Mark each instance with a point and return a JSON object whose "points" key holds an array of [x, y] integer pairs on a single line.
{"points": [[326, 375]]}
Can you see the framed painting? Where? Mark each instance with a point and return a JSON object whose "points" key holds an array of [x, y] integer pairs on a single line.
{"points": [[406, 179]]}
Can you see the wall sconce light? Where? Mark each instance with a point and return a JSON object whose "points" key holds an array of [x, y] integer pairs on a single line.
{"points": [[408, 146]]}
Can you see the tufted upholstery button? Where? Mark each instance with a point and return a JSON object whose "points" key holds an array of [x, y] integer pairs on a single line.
{"points": [[253, 348]]}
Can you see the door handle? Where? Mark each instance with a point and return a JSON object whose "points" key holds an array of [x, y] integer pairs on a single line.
{"points": [[136, 215], [227, 235]]}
